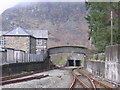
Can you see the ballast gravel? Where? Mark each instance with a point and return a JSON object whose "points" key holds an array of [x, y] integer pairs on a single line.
{"points": [[58, 78]]}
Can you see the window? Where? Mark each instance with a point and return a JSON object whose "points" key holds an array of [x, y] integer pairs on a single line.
{"points": [[1, 40], [39, 42]]}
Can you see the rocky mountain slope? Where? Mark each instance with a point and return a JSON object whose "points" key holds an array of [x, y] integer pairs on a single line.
{"points": [[65, 21]]}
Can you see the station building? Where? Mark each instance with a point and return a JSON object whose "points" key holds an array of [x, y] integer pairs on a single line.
{"points": [[30, 41]]}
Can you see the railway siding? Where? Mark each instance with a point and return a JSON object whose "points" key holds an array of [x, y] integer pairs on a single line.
{"points": [[57, 79]]}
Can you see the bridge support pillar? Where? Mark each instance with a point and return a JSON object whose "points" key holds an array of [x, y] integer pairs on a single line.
{"points": [[74, 62], [85, 61]]}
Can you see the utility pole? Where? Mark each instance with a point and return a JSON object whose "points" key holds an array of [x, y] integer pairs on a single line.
{"points": [[111, 28], [111, 25]]}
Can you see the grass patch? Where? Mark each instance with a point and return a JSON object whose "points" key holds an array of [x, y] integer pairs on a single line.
{"points": [[60, 61]]}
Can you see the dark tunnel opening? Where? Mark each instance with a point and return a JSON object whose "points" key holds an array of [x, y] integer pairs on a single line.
{"points": [[71, 62], [78, 62]]}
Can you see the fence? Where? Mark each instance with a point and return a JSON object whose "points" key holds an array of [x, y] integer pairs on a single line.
{"points": [[8, 56]]}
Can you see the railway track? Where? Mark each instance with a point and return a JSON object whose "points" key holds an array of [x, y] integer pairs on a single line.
{"points": [[82, 80], [20, 77], [23, 79], [25, 74], [96, 82]]}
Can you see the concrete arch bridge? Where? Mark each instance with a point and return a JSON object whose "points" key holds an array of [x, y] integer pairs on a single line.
{"points": [[69, 49]]}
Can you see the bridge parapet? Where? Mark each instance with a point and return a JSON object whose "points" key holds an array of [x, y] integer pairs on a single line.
{"points": [[67, 49]]}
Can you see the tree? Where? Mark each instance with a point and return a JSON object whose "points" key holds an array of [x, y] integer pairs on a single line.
{"points": [[100, 23]]}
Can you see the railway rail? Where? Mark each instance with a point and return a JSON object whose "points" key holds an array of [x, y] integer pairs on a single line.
{"points": [[95, 81], [80, 79], [17, 78], [23, 79], [85, 81], [26, 74]]}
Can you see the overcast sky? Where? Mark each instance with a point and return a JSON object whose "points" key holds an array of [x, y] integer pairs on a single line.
{"points": [[4, 4]]}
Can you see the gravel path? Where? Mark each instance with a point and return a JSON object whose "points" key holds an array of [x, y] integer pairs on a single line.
{"points": [[59, 78]]}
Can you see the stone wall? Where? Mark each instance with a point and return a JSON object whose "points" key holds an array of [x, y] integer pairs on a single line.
{"points": [[25, 43], [17, 42], [112, 63]]}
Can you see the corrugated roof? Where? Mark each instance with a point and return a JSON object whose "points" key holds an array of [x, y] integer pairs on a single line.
{"points": [[39, 33], [18, 31]]}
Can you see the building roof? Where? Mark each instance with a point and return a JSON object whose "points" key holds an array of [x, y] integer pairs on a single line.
{"points": [[39, 33], [43, 34], [18, 32]]}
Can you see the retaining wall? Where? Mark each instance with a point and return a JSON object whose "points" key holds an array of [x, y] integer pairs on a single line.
{"points": [[96, 67], [112, 63], [110, 69], [17, 68]]}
